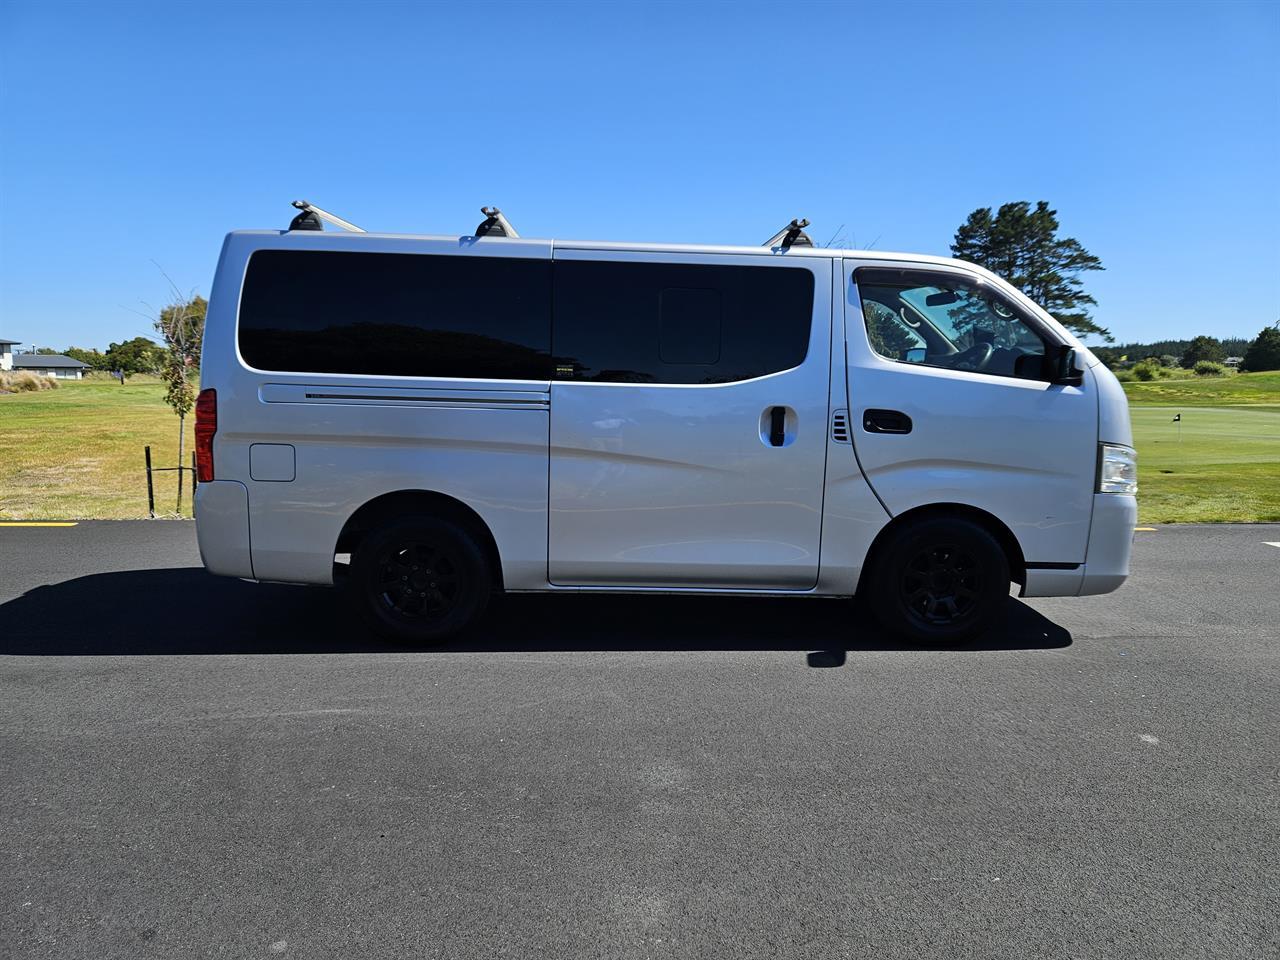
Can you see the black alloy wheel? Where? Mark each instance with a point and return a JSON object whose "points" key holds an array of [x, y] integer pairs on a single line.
{"points": [[939, 580], [420, 579], [941, 584]]}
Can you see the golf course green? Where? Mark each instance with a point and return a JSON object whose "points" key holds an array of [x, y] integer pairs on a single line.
{"points": [[1221, 463]]}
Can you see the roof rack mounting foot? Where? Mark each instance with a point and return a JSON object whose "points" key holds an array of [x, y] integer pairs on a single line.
{"points": [[311, 215], [792, 235], [495, 225]]}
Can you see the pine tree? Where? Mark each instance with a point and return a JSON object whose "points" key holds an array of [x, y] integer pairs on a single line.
{"points": [[1022, 245]]}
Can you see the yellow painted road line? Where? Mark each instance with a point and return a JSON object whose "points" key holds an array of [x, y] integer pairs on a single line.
{"points": [[38, 523], [1145, 529]]}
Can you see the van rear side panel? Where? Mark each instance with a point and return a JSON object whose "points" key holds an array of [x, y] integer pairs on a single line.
{"points": [[294, 345], [347, 453]]}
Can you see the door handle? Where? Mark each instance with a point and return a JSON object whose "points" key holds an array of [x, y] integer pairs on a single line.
{"points": [[777, 426], [885, 421]]}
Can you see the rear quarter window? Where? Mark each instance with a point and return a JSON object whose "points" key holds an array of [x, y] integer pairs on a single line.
{"points": [[395, 314]]}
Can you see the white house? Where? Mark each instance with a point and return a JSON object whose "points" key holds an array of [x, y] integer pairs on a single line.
{"points": [[41, 364]]}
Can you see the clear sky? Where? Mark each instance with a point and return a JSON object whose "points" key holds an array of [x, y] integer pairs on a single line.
{"points": [[135, 133]]}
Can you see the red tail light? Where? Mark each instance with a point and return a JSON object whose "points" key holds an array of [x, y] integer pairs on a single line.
{"points": [[206, 427]]}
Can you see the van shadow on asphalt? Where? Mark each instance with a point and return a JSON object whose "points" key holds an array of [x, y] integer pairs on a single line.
{"points": [[187, 611]]}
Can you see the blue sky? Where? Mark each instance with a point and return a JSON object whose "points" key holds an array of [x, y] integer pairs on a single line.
{"points": [[132, 133]]}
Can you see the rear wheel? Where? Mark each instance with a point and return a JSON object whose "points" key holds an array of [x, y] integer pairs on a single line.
{"points": [[941, 580], [420, 579]]}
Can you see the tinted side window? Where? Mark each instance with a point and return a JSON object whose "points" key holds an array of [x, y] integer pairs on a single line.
{"points": [[944, 320], [396, 314], [692, 325], [678, 322]]}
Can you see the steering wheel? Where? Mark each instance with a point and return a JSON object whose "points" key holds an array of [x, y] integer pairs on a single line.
{"points": [[975, 358]]}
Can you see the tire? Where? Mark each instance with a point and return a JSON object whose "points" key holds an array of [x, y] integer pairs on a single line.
{"points": [[940, 581], [420, 579]]}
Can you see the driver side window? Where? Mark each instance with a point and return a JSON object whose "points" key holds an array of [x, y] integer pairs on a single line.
{"points": [[944, 320]]}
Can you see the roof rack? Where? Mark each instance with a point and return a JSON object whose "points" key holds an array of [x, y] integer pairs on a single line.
{"points": [[495, 225], [311, 215], [792, 235]]}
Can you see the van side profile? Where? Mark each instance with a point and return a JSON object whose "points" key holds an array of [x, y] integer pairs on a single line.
{"points": [[465, 415]]}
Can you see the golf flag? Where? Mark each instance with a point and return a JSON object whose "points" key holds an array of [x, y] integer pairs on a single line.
{"points": [[1177, 419]]}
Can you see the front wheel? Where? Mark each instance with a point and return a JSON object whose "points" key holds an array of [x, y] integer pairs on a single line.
{"points": [[941, 580], [420, 579]]}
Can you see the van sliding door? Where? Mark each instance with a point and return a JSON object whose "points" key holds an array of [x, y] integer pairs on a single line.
{"points": [[688, 419]]}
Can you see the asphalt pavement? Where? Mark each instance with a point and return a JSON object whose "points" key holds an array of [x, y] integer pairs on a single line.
{"points": [[199, 767]]}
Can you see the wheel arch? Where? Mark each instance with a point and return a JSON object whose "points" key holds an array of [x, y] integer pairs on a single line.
{"points": [[369, 516], [988, 521]]}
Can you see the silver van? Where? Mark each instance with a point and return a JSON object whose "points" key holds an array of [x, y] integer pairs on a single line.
{"points": [[431, 419]]}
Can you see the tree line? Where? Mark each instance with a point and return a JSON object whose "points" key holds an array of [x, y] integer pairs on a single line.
{"points": [[143, 355], [1231, 347], [1261, 353]]}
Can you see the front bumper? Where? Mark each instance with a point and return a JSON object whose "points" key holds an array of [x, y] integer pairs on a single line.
{"points": [[1106, 563], [1110, 543]]}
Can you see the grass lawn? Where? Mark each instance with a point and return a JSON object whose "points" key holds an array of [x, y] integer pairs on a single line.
{"points": [[76, 452], [1241, 388], [1227, 464]]}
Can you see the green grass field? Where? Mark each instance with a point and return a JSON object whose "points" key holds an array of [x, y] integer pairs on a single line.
{"points": [[76, 452], [1225, 465], [1235, 390]]}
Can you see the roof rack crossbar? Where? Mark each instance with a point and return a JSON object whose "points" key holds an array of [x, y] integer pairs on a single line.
{"points": [[311, 215], [495, 225], [792, 235]]}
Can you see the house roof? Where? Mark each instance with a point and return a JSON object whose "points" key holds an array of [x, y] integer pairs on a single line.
{"points": [[42, 360], [10, 342]]}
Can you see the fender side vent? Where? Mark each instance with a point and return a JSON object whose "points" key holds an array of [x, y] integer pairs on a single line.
{"points": [[840, 426]]}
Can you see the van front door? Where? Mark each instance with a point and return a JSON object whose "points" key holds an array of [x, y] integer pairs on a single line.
{"points": [[950, 403], [688, 419]]}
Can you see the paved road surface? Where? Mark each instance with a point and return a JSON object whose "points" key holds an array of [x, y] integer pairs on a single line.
{"points": [[197, 767]]}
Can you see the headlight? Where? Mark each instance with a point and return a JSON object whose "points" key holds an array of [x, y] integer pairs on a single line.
{"points": [[1117, 470]]}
